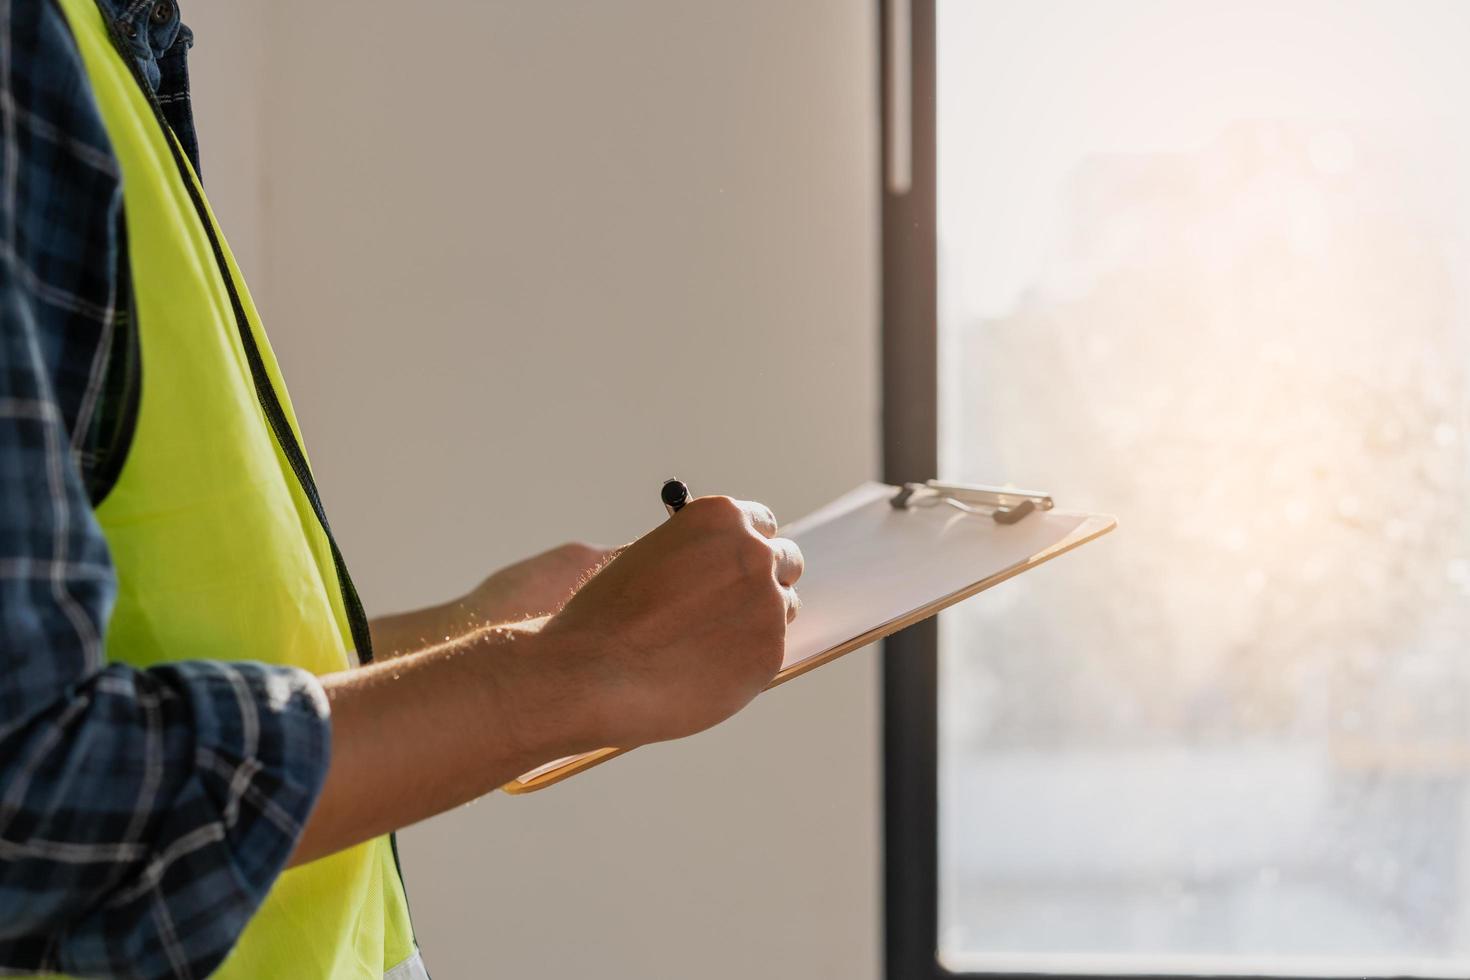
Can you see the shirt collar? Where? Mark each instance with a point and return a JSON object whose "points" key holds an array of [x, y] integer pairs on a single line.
{"points": [[114, 9]]}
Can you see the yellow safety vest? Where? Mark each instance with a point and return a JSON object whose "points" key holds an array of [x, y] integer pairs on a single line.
{"points": [[214, 524]]}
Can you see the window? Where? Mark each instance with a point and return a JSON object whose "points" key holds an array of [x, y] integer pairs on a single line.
{"points": [[1205, 266]]}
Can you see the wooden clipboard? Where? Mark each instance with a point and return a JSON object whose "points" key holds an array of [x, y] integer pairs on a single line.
{"points": [[882, 558]]}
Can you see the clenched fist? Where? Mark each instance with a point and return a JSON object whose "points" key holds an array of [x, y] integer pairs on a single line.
{"points": [[684, 627]]}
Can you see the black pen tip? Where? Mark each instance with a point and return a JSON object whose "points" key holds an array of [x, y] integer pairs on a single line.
{"points": [[674, 494]]}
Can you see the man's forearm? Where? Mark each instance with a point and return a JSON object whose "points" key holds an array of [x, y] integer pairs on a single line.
{"points": [[677, 633], [427, 731]]}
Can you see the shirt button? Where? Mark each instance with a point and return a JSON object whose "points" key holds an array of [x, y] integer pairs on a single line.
{"points": [[162, 12], [131, 30]]}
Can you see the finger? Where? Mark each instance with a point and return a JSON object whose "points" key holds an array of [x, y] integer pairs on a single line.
{"points": [[760, 517], [789, 561], [793, 603]]}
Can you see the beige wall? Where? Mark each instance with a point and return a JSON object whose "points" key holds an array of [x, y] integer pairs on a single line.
{"points": [[227, 76], [525, 260]]}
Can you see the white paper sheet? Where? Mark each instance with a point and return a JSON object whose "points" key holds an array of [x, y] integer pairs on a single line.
{"points": [[869, 564]]}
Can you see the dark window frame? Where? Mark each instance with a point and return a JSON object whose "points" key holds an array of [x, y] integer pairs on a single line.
{"points": [[910, 452]]}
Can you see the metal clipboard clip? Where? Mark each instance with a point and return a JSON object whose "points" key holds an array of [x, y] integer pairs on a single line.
{"points": [[1003, 505]]}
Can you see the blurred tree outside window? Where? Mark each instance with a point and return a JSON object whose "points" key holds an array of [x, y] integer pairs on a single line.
{"points": [[1206, 266]]}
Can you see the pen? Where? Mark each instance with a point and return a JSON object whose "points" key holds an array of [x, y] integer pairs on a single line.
{"points": [[675, 495]]}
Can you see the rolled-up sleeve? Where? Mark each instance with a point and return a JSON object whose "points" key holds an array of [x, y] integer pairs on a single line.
{"points": [[144, 814]]}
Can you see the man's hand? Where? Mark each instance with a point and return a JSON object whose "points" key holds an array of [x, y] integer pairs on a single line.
{"points": [[536, 586], [684, 627], [676, 633]]}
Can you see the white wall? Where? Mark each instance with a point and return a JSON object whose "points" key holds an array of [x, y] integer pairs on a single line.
{"points": [[525, 260], [227, 77]]}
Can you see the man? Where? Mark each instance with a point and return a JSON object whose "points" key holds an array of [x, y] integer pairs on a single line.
{"points": [[190, 701]]}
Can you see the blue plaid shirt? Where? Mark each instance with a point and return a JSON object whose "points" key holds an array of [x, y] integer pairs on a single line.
{"points": [[143, 813]]}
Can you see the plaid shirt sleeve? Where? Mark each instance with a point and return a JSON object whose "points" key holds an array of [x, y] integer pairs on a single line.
{"points": [[143, 814]]}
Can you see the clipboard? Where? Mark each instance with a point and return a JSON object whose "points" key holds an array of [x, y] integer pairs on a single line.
{"points": [[881, 558]]}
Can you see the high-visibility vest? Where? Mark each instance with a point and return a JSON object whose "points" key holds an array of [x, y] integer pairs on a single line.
{"points": [[214, 523]]}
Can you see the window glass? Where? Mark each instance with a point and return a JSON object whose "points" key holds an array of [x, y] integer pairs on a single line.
{"points": [[1206, 266]]}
